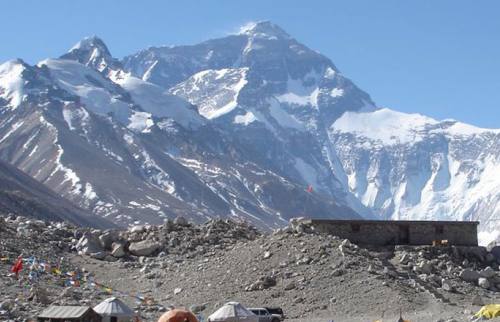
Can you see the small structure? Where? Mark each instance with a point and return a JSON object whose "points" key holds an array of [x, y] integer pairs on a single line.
{"points": [[393, 232], [233, 312], [69, 313], [114, 310], [177, 315]]}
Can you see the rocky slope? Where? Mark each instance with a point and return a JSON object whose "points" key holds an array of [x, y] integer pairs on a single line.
{"points": [[313, 277], [22, 195]]}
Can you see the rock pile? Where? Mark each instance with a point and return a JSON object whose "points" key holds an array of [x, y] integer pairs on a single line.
{"points": [[173, 237], [444, 266]]}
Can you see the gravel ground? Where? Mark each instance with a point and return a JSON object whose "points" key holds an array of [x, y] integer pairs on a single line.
{"points": [[312, 277]]}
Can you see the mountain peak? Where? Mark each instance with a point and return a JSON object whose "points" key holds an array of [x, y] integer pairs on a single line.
{"points": [[93, 52], [89, 44], [265, 29]]}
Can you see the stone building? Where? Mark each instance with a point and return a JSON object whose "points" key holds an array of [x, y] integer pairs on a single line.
{"points": [[381, 232]]}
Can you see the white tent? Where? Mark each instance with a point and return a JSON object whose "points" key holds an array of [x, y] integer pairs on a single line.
{"points": [[114, 310], [233, 312]]}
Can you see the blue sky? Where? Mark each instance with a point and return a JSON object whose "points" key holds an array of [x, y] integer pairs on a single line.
{"points": [[439, 58]]}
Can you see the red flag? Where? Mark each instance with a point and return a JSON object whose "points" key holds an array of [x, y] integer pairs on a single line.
{"points": [[18, 266], [309, 188]]}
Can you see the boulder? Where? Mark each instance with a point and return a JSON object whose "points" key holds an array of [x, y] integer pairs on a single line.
{"points": [[197, 308], [389, 272], [181, 221], [446, 285], [89, 243], [109, 258], [108, 238], [483, 282], [495, 251], [290, 286], [98, 255], [488, 272], [137, 229], [469, 275], [424, 267], [168, 225], [144, 248], [118, 250], [38, 295], [405, 258], [263, 283]]}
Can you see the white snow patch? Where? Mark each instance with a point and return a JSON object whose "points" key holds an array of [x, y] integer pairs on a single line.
{"points": [[384, 125], [214, 92], [149, 72], [141, 122], [329, 73], [89, 192], [96, 92], [300, 94], [336, 92], [12, 82], [245, 119], [158, 102], [71, 114], [33, 151], [390, 127], [462, 129]]}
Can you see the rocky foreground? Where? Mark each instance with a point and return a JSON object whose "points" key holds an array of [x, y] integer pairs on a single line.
{"points": [[313, 277]]}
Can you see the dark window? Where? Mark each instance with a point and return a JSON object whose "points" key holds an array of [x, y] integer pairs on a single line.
{"points": [[439, 229], [355, 228], [114, 319]]}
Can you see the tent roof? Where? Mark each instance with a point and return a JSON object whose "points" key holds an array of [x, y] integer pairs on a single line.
{"points": [[64, 312], [229, 310], [113, 307]]}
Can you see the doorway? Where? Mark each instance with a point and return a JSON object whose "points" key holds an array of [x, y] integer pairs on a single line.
{"points": [[404, 235]]}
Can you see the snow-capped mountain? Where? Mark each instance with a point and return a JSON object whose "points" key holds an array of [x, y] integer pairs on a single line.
{"points": [[235, 126], [408, 166], [131, 150]]}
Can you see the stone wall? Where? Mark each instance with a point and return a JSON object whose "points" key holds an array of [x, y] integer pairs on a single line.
{"points": [[373, 232]]}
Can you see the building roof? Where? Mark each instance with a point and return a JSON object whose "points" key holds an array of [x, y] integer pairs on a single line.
{"points": [[390, 222], [64, 312]]}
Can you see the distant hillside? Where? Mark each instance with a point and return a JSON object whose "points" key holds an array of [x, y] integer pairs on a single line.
{"points": [[22, 195]]}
